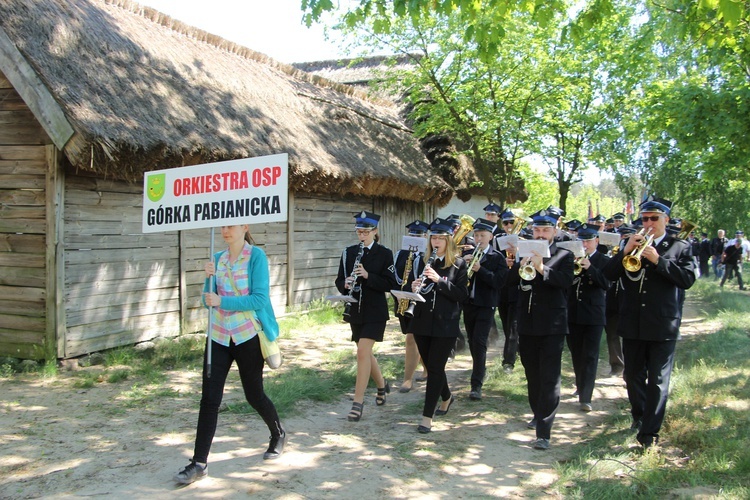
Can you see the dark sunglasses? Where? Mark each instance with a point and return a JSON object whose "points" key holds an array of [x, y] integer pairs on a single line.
{"points": [[506, 222], [652, 218]]}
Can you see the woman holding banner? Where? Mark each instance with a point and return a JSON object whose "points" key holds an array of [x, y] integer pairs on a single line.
{"points": [[240, 294]]}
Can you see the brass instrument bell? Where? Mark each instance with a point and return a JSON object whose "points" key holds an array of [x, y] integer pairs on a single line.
{"points": [[632, 262]]}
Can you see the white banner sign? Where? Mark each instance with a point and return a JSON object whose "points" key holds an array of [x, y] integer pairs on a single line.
{"points": [[246, 191]]}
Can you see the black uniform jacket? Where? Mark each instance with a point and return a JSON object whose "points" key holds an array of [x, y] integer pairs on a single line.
{"points": [[438, 315], [587, 298], [649, 301], [488, 281], [543, 302], [399, 267], [371, 292]]}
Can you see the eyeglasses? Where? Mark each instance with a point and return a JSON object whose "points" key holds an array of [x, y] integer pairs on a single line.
{"points": [[507, 222], [652, 218], [364, 232]]}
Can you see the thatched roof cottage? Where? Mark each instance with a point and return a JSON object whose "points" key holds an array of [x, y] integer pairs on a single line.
{"points": [[93, 93]]}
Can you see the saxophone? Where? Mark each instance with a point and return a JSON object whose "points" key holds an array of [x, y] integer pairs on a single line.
{"points": [[403, 304]]}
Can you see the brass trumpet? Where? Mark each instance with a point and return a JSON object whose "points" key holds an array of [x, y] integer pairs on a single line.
{"points": [[474, 259], [527, 272], [467, 225], [632, 262], [577, 266]]}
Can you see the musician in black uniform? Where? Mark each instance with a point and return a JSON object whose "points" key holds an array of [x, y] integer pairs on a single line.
{"points": [[492, 213], [586, 314], [619, 220], [543, 324], [650, 315], [488, 272], [507, 298], [416, 229], [465, 243], [371, 280], [614, 342], [435, 322]]}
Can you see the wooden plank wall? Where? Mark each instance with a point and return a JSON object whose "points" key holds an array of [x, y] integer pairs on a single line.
{"points": [[121, 286], [23, 169]]}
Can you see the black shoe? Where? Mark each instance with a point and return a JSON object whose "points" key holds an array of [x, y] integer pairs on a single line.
{"points": [[191, 473], [382, 391], [541, 444], [475, 395], [356, 412], [423, 429], [440, 412], [531, 424], [275, 446]]}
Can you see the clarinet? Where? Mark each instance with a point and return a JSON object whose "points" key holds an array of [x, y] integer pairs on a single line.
{"points": [[348, 305], [409, 313]]}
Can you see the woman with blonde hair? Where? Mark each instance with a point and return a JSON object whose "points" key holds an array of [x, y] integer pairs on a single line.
{"points": [[435, 324]]}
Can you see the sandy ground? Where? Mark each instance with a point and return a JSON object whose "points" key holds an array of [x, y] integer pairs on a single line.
{"points": [[61, 442]]}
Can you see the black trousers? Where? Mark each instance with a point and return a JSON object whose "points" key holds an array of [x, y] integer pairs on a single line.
{"points": [[250, 365], [584, 342], [648, 368], [435, 352], [614, 343], [542, 359], [730, 271], [507, 313], [478, 322]]}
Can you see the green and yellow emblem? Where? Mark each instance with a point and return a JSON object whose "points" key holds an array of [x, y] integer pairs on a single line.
{"points": [[156, 186]]}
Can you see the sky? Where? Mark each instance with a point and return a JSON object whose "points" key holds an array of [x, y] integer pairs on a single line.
{"points": [[273, 27]]}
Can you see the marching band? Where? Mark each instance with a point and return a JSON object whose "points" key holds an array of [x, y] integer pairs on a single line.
{"points": [[552, 283]]}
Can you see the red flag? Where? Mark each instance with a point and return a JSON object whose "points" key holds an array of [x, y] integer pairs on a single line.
{"points": [[629, 207]]}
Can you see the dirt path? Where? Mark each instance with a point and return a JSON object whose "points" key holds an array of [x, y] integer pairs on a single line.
{"points": [[59, 441]]}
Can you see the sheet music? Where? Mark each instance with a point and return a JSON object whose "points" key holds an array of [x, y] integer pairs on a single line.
{"points": [[402, 294], [526, 248], [575, 246], [341, 298], [609, 239], [414, 244], [507, 242]]}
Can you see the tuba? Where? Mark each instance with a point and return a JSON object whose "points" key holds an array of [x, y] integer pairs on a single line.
{"points": [[467, 225], [632, 262], [686, 228]]}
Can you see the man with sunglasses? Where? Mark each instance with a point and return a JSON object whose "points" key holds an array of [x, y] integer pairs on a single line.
{"points": [[506, 306], [650, 315]]}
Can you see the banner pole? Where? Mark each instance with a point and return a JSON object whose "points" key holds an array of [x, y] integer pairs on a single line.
{"points": [[210, 309]]}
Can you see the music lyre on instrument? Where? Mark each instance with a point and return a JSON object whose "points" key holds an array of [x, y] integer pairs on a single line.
{"points": [[409, 313]]}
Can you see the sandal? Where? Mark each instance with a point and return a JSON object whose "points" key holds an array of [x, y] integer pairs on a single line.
{"points": [[356, 412], [382, 391]]}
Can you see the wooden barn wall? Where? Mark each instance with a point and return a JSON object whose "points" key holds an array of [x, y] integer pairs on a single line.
{"points": [[23, 227]]}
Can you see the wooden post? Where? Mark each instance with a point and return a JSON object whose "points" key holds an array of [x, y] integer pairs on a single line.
{"points": [[182, 283], [290, 252], [54, 335]]}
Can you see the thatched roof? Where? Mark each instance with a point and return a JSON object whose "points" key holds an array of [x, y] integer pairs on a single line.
{"points": [[143, 92], [442, 151]]}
